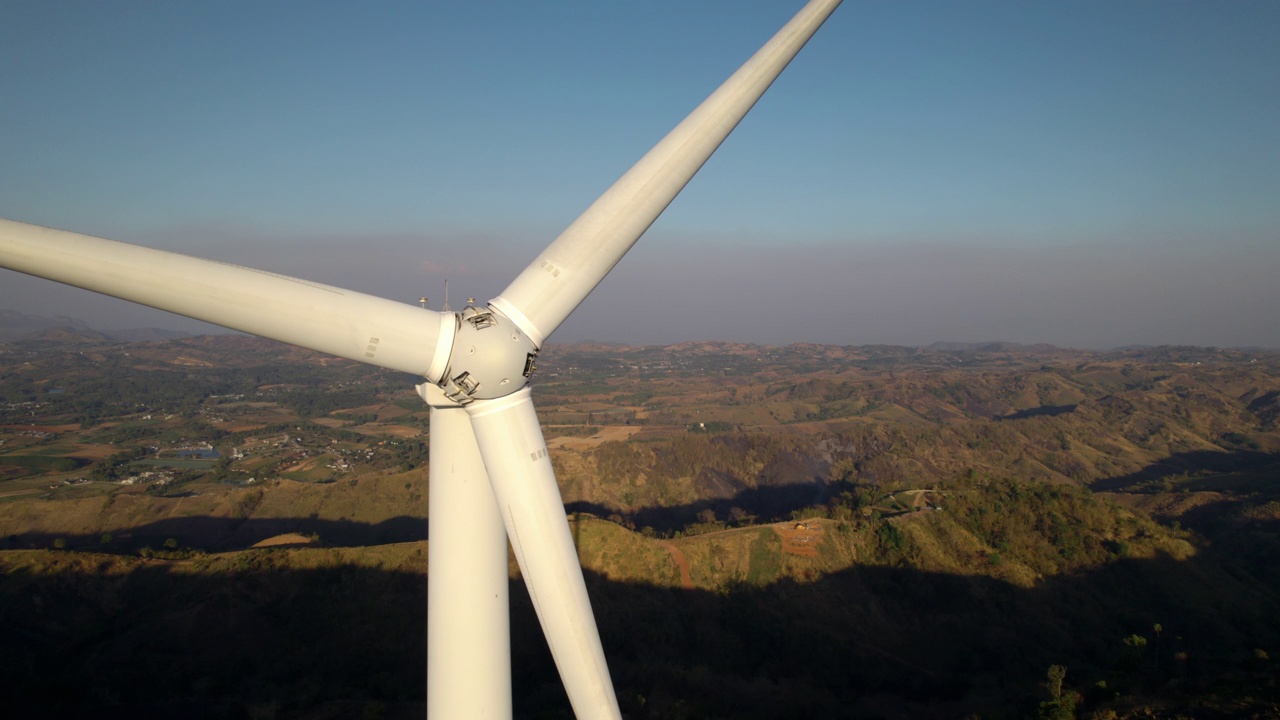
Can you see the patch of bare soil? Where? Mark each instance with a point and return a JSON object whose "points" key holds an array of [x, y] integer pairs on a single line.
{"points": [[400, 431], [362, 410], [303, 466], [286, 539], [682, 562], [38, 428], [391, 412], [800, 538], [93, 452], [610, 432], [240, 428], [15, 493]]}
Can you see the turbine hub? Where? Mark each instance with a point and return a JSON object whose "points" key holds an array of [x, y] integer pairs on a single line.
{"points": [[491, 357]]}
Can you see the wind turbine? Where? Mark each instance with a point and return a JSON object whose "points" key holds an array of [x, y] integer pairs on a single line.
{"points": [[491, 480]]}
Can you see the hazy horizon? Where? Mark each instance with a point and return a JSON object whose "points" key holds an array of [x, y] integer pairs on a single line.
{"points": [[1086, 175], [195, 328]]}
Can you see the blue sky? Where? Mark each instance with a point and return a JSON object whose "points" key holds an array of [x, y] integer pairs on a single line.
{"points": [[1086, 174]]}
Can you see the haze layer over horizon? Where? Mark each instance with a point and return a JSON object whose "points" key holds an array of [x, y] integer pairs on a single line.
{"points": [[1085, 175]]}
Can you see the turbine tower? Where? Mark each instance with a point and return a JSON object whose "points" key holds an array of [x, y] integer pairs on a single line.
{"points": [[491, 480]]}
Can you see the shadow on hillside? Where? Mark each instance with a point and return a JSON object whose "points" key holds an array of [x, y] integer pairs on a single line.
{"points": [[866, 642], [340, 641], [221, 533], [1243, 472], [1198, 463], [1042, 411], [764, 503]]}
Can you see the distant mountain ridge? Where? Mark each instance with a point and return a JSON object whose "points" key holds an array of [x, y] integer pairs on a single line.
{"points": [[15, 326]]}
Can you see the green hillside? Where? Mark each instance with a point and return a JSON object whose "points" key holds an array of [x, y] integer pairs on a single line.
{"points": [[945, 613], [810, 531]]}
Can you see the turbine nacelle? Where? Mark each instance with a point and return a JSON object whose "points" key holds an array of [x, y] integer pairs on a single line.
{"points": [[491, 357]]}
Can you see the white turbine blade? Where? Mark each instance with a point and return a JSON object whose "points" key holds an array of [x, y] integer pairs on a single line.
{"points": [[468, 618], [524, 485], [339, 322], [542, 296]]}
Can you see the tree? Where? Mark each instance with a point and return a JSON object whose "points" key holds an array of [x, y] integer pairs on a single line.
{"points": [[740, 518], [1056, 674], [1061, 704], [1159, 670]]}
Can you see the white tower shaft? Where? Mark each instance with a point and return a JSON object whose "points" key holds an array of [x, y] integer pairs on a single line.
{"points": [[468, 637]]}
